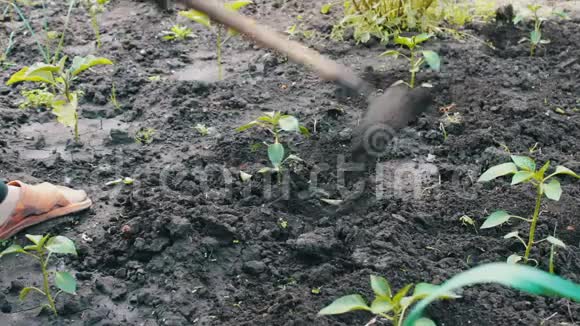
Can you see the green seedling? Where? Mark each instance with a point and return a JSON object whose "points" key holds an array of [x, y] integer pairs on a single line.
{"points": [[94, 9], [36, 98], [523, 278], [535, 38], [523, 170], [178, 33], [554, 243], [126, 181], [298, 29], [386, 304], [59, 81], [202, 129], [145, 136], [113, 97], [218, 29], [275, 123], [6, 48], [416, 58], [466, 220], [42, 250]]}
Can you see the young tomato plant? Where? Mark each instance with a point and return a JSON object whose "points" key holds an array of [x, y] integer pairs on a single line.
{"points": [[275, 122], [216, 28], [416, 58], [41, 250], [524, 170], [178, 33], [386, 304], [94, 9], [59, 82]]}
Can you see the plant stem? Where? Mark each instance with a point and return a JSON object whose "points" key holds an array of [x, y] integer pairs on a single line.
{"points": [[219, 51], [46, 286], [412, 83], [61, 41], [77, 137], [534, 223], [95, 24]]}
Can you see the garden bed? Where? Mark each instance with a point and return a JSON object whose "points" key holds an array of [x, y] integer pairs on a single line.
{"points": [[182, 247]]}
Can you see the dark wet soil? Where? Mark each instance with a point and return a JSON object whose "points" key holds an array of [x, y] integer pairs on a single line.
{"points": [[189, 243]]}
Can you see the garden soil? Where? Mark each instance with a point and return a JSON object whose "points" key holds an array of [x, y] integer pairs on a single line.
{"points": [[189, 243]]}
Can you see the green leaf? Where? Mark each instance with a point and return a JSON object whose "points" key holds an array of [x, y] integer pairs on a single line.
{"points": [[61, 245], [525, 163], [81, 64], [518, 19], [13, 249], [521, 176], [498, 171], [555, 241], [542, 171], [402, 292], [289, 123], [418, 39], [525, 278], [344, 304], [66, 282], [390, 53], [433, 59], [197, 16], [304, 131], [510, 235], [381, 305], [564, 170], [495, 219], [406, 41], [237, 5], [535, 36], [248, 126], [276, 154], [553, 189], [65, 111], [38, 72], [325, 8], [34, 238], [380, 286], [24, 293]]}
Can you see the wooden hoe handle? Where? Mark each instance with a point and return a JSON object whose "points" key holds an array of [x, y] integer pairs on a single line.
{"points": [[326, 68]]}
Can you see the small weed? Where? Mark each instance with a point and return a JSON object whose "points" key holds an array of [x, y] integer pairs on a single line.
{"points": [[178, 33], [466, 220], [416, 60], [113, 97], [94, 9], [42, 249], [201, 129], [216, 28], [145, 136], [524, 170]]}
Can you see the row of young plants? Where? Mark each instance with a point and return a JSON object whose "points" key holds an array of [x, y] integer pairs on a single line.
{"points": [[58, 92]]}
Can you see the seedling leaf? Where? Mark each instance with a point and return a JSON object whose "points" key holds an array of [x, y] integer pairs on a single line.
{"points": [[424, 289], [65, 111], [381, 305], [66, 282], [325, 8], [521, 176], [498, 171], [555, 241], [276, 154], [524, 278], [564, 170], [248, 126], [24, 293], [392, 53], [38, 72], [535, 36], [514, 259], [345, 304], [380, 286], [553, 189], [433, 59], [495, 219], [81, 64], [197, 16], [511, 235], [34, 238], [525, 163], [237, 5], [289, 123], [406, 41], [61, 245], [13, 249]]}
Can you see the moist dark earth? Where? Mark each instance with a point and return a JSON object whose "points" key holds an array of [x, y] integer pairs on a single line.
{"points": [[189, 243]]}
